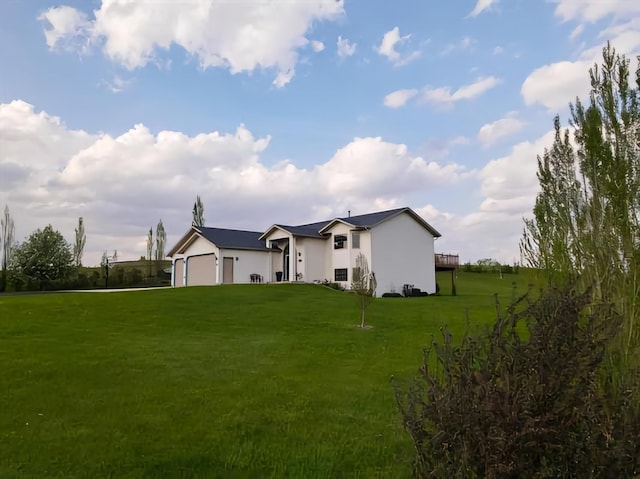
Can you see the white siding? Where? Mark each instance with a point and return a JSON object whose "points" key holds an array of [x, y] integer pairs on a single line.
{"points": [[339, 258], [313, 259], [248, 263], [402, 253], [200, 246]]}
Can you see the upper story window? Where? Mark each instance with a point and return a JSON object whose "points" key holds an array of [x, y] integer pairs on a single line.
{"points": [[339, 241], [355, 239]]}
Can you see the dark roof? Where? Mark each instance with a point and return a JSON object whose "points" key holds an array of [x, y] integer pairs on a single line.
{"points": [[371, 219], [233, 239], [310, 230]]}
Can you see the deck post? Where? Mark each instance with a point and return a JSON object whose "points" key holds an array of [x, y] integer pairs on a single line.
{"points": [[453, 283]]}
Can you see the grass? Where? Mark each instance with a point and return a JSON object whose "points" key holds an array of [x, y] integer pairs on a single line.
{"points": [[226, 381]]}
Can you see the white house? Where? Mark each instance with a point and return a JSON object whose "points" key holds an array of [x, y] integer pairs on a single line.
{"points": [[398, 244]]}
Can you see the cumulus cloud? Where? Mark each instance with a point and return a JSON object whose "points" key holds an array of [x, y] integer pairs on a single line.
{"points": [[593, 10], [240, 36], [123, 184], [446, 95], [508, 188], [346, 48], [399, 98], [556, 84], [481, 6], [390, 41], [498, 130]]}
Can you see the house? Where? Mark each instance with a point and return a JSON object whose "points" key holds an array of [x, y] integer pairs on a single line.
{"points": [[398, 245]]}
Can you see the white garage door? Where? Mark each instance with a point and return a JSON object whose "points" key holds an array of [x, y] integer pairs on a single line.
{"points": [[178, 273], [201, 270]]}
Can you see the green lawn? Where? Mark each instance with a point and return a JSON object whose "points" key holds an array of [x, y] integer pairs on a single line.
{"points": [[226, 381]]}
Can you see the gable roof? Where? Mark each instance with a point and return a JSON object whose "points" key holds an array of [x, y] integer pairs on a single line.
{"points": [[233, 239], [222, 238], [254, 240], [310, 230], [370, 220]]}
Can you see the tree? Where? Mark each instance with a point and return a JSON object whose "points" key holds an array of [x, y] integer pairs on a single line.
{"points": [[45, 257], [586, 224], [198, 213], [81, 239], [363, 284], [161, 239], [150, 244], [104, 262], [7, 242], [150, 248]]}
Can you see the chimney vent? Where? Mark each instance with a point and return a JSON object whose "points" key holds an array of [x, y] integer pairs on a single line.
{"points": [[349, 213]]}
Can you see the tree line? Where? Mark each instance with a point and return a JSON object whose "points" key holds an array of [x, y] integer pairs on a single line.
{"points": [[45, 260]]}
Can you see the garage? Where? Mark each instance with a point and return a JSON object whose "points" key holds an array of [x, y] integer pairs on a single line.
{"points": [[201, 270], [178, 273]]}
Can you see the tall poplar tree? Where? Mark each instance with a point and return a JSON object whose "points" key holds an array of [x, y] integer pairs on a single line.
{"points": [[78, 246], [586, 220], [198, 213]]}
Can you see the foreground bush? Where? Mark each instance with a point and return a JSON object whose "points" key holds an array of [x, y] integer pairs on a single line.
{"points": [[535, 397]]}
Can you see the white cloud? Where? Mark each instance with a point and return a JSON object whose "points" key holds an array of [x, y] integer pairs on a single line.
{"points": [[345, 47], [118, 84], [498, 50], [445, 95], [498, 130], [508, 188], [69, 28], [317, 46], [399, 98], [481, 6], [465, 44], [594, 10], [576, 32], [557, 84], [51, 174], [240, 36], [390, 41]]}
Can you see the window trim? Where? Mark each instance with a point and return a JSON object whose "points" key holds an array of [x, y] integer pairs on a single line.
{"points": [[355, 244], [346, 275], [340, 241]]}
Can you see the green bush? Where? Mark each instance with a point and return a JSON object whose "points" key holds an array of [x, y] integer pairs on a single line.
{"points": [[535, 397]]}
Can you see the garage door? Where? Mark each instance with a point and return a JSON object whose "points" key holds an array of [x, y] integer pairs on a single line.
{"points": [[201, 270], [178, 273]]}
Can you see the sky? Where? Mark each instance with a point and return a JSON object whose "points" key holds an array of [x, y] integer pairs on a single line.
{"points": [[289, 112]]}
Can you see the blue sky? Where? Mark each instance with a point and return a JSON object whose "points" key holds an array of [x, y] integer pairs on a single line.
{"points": [[121, 111]]}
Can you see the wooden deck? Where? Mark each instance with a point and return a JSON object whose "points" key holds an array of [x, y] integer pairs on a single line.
{"points": [[447, 262]]}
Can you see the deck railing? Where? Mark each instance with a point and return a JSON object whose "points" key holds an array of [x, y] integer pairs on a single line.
{"points": [[450, 260]]}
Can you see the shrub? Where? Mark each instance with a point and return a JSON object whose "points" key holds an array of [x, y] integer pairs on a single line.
{"points": [[392, 295], [534, 397], [332, 285]]}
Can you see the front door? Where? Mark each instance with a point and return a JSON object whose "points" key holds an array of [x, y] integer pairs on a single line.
{"points": [[227, 270]]}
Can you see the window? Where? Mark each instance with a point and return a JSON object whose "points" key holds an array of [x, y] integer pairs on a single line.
{"points": [[339, 241], [355, 239], [340, 274]]}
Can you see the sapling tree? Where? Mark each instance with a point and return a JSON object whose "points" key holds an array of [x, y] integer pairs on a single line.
{"points": [[363, 284]]}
